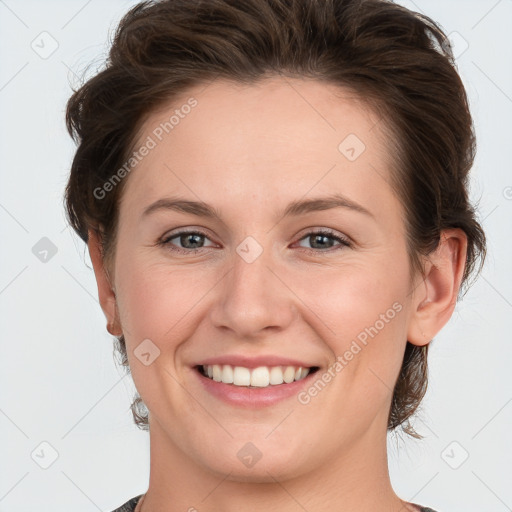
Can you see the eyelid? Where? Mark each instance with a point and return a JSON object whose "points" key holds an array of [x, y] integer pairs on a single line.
{"points": [[344, 241], [164, 240]]}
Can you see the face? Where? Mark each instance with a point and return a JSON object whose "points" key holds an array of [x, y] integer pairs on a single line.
{"points": [[297, 258]]}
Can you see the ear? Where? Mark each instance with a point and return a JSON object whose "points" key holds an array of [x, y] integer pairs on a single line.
{"points": [[434, 298], [106, 292]]}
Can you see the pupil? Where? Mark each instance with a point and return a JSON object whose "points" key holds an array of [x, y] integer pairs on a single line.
{"points": [[189, 237], [320, 236]]}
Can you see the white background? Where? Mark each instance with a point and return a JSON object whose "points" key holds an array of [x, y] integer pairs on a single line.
{"points": [[59, 383]]}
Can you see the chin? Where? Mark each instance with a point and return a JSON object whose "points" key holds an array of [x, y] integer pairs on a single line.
{"points": [[256, 462], [261, 472]]}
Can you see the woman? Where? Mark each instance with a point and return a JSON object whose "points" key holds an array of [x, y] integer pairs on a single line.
{"points": [[273, 194]]}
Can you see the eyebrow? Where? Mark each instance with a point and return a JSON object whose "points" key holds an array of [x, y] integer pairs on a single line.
{"points": [[294, 209]]}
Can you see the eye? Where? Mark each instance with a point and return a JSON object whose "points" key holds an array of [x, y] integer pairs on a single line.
{"points": [[191, 241], [322, 240]]}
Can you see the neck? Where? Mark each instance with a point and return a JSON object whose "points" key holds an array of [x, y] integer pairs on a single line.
{"points": [[355, 481]]}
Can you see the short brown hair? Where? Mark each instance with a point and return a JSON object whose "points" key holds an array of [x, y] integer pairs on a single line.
{"points": [[398, 61]]}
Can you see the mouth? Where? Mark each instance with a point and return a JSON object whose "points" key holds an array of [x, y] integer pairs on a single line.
{"points": [[255, 378]]}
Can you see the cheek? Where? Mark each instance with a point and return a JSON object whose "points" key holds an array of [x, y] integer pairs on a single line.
{"points": [[349, 299], [361, 313], [367, 318], [156, 300], [157, 303]]}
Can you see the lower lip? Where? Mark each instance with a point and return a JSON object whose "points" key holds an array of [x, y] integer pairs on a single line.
{"points": [[242, 396]]}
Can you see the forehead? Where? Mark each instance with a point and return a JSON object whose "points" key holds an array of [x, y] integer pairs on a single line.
{"points": [[279, 137]]}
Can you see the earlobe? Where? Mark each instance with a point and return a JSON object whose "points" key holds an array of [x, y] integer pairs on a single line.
{"points": [[106, 293], [434, 300]]}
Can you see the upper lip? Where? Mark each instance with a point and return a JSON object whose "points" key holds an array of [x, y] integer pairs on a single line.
{"points": [[254, 361]]}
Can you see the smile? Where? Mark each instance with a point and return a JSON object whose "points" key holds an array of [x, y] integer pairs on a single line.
{"points": [[259, 377]]}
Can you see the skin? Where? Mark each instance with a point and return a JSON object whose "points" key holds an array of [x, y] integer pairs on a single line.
{"points": [[249, 151]]}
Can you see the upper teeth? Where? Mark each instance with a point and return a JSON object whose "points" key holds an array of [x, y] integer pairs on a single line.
{"points": [[261, 376]]}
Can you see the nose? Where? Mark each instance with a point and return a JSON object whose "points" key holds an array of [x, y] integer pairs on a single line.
{"points": [[253, 299]]}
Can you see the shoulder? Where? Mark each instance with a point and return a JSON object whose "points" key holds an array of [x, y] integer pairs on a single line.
{"points": [[130, 505], [419, 508]]}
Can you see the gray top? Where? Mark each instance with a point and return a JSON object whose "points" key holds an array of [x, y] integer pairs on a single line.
{"points": [[130, 505]]}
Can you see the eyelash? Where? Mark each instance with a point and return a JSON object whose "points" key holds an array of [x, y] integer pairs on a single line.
{"points": [[344, 242]]}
